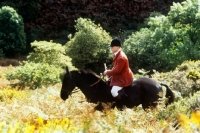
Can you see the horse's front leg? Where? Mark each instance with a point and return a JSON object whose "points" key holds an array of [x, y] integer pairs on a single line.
{"points": [[99, 107]]}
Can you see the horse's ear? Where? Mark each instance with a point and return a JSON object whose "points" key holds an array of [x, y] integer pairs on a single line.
{"points": [[67, 70]]}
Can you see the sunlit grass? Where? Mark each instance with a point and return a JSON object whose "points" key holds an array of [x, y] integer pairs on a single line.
{"points": [[43, 111]]}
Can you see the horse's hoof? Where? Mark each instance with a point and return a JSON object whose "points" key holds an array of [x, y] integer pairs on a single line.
{"points": [[98, 108]]}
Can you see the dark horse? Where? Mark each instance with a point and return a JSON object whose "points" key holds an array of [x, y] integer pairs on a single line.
{"points": [[145, 91]]}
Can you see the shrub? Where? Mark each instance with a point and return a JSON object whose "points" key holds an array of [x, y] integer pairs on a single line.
{"points": [[136, 47], [50, 53], [43, 67], [89, 48], [34, 75], [12, 36], [185, 79]]}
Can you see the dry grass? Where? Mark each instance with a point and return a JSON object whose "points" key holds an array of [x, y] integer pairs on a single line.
{"points": [[46, 104]]}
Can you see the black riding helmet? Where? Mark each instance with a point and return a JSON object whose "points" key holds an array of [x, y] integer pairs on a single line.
{"points": [[115, 42]]}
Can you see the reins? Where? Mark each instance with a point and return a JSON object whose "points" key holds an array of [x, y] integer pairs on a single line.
{"points": [[95, 82], [77, 89]]}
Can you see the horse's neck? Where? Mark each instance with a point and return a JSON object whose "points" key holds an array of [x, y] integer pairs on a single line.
{"points": [[87, 91]]}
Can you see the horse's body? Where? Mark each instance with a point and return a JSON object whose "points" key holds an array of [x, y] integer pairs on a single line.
{"points": [[145, 91]]}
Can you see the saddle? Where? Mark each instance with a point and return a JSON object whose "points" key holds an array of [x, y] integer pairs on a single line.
{"points": [[123, 93]]}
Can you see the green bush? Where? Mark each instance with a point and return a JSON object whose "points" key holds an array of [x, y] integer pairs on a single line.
{"points": [[12, 36], [50, 53], [136, 48], [43, 66], [89, 48], [34, 75], [168, 41]]}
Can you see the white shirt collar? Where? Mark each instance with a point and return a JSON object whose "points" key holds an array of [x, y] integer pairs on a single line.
{"points": [[117, 52]]}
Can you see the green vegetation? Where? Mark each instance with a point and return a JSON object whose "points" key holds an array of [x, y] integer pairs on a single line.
{"points": [[184, 78], [12, 36], [43, 67], [34, 75], [50, 53], [89, 48], [168, 41]]}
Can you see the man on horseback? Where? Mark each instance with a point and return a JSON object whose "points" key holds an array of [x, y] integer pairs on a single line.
{"points": [[121, 75]]}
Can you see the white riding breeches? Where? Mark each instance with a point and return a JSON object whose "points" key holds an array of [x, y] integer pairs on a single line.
{"points": [[115, 90]]}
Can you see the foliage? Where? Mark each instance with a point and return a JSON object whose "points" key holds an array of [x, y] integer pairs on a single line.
{"points": [[89, 48], [32, 35], [12, 36], [65, 12], [168, 40], [136, 47], [184, 79], [43, 67], [34, 75], [50, 53]]}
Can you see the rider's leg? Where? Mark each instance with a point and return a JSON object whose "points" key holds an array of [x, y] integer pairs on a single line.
{"points": [[117, 97], [114, 91]]}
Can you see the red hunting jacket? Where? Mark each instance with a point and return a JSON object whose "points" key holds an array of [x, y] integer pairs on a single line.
{"points": [[121, 75]]}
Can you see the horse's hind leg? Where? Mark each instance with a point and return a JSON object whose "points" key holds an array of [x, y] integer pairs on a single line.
{"points": [[148, 105]]}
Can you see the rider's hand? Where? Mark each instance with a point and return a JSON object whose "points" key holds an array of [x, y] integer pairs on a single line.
{"points": [[104, 73]]}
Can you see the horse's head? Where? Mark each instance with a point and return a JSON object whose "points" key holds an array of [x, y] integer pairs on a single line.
{"points": [[67, 84]]}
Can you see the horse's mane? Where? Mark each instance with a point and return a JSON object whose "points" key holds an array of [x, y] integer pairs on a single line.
{"points": [[88, 71]]}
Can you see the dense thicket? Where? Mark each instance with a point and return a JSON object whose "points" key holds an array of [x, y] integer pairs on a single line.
{"points": [[55, 19]]}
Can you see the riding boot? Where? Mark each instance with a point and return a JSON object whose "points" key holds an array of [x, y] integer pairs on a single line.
{"points": [[119, 103]]}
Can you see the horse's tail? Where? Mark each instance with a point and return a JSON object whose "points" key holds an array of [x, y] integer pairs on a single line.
{"points": [[169, 94]]}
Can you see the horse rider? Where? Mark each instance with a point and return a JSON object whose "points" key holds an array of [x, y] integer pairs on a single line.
{"points": [[121, 74]]}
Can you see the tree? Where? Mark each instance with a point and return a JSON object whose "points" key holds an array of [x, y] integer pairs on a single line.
{"points": [[12, 35]]}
